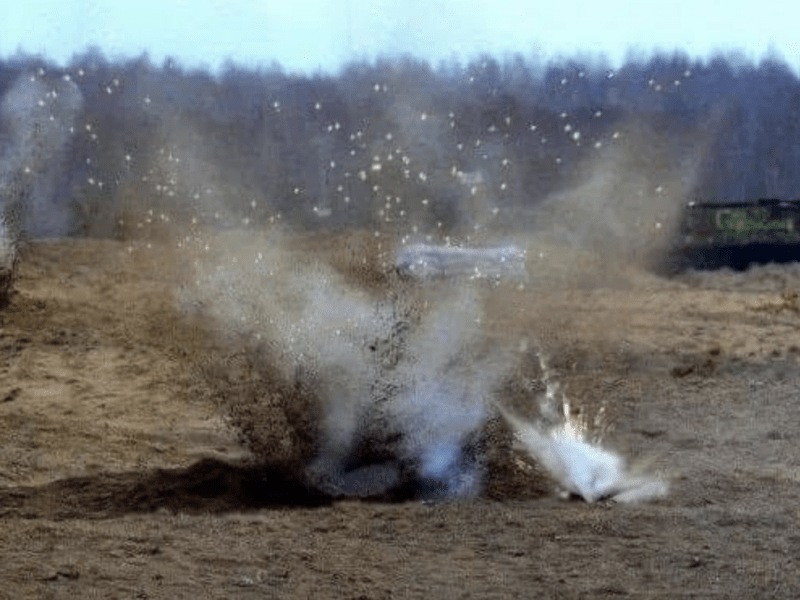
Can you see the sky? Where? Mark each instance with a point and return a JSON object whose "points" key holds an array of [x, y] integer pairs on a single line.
{"points": [[310, 36]]}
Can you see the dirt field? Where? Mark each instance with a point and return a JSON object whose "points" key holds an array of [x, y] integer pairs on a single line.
{"points": [[120, 479]]}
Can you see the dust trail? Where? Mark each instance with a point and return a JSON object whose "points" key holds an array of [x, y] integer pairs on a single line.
{"points": [[38, 119]]}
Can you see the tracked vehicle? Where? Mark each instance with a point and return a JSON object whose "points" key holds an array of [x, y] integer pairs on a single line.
{"points": [[736, 234]]}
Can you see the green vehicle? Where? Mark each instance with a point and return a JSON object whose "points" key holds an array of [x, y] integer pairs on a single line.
{"points": [[736, 234]]}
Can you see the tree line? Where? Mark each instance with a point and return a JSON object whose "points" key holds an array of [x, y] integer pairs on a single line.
{"points": [[395, 138]]}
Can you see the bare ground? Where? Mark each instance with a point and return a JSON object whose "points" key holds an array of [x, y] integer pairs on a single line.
{"points": [[119, 477]]}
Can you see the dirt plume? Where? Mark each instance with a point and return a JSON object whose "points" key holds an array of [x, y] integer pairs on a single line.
{"points": [[621, 213]]}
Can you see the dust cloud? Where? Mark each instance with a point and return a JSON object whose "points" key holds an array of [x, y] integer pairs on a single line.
{"points": [[616, 221], [371, 381], [401, 373]]}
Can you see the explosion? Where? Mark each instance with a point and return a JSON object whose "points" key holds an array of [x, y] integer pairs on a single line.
{"points": [[573, 456]]}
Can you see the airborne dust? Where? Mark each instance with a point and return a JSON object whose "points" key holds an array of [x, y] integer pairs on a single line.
{"points": [[372, 381]]}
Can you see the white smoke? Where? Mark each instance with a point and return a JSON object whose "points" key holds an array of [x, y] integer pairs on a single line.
{"points": [[576, 461], [447, 382]]}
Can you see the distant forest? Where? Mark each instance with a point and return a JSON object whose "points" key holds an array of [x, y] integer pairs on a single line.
{"points": [[346, 149]]}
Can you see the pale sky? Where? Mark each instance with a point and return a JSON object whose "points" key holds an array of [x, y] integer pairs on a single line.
{"points": [[313, 35]]}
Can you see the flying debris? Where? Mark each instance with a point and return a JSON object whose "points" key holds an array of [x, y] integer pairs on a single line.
{"points": [[426, 261]]}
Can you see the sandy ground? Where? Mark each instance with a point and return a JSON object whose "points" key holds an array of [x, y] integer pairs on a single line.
{"points": [[120, 479]]}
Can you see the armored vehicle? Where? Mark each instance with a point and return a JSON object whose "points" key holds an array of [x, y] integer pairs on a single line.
{"points": [[735, 234]]}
